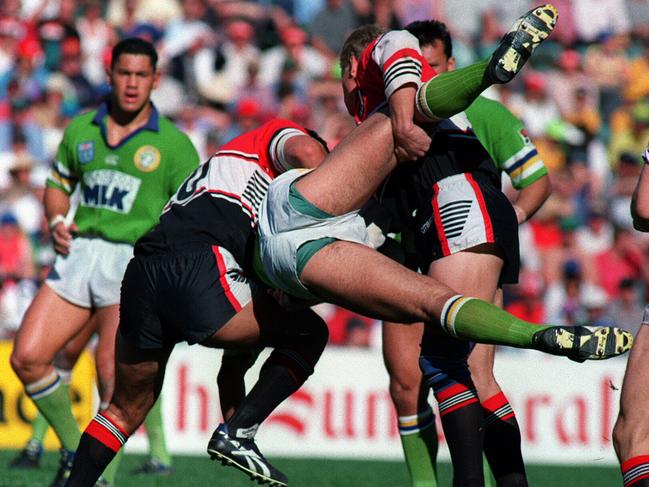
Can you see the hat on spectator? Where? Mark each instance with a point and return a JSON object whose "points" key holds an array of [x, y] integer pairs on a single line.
{"points": [[569, 59], [571, 269], [535, 81], [28, 48], [248, 107], [594, 298], [8, 218], [148, 32]]}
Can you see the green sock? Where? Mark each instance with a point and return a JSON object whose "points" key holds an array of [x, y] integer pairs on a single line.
{"points": [[488, 482], [39, 428], [110, 472], [52, 399], [419, 442], [477, 320], [156, 435], [452, 92]]}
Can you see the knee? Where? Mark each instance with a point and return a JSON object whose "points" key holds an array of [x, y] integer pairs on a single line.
{"points": [[24, 360], [314, 334], [404, 392]]}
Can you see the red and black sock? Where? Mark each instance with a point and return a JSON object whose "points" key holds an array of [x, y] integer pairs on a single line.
{"points": [[635, 471], [99, 444], [460, 413], [502, 442], [282, 374]]}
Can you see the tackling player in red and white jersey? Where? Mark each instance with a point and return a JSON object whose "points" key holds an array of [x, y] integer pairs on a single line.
{"points": [[187, 282]]}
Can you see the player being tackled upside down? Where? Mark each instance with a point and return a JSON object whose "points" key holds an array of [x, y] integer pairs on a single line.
{"points": [[313, 243]]}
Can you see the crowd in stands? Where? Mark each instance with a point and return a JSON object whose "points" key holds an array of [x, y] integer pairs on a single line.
{"points": [[227, 66]]}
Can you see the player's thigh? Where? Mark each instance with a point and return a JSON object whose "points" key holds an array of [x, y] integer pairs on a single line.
{"points": [[364, 281], [353, 170], [107, 320], [49, 323], [473, 272], [68, 356], [401, 350]]}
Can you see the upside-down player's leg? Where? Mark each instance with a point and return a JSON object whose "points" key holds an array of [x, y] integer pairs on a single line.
{"points": [[341, 271], [631, 432], [452, 92]]}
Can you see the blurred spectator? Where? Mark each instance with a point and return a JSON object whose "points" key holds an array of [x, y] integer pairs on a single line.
{"points": [[54, 30], [632, 140], [294, 51], [627, 171], [595, 303], [529, 304], [534, 106], [96, 37], [126, 13], [608, 66], [15, 298], [570, 79], [15, 250], [624, 260], [563, 299], [627, 307], [331, 26], [183, 38], [71, 69], [380, 12], [597, 235], [247, 115], [224, 70], [20, 200], [594, 18], [490, 33]]}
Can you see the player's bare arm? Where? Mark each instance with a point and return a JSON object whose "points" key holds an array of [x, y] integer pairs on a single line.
{"points": [[531, 198], [410, 140], [57, 204]]}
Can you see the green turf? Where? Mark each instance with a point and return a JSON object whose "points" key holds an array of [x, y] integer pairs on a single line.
{"points": [[200, 471]]}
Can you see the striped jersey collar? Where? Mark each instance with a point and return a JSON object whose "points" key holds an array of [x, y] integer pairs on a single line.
{"points": [[153, 124]]}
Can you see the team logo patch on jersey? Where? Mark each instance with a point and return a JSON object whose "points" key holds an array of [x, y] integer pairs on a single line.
{"points": [[147, 158], [526, 138], [86, 151]]}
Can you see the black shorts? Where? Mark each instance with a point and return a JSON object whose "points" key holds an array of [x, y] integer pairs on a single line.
{"points": [[461, 212], [181, 295]]}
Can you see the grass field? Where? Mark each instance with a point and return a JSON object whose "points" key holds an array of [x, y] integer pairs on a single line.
{"points": [[200, 471]]}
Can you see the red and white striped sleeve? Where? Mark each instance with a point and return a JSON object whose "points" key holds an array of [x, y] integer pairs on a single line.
{"points": [[398, 55]]}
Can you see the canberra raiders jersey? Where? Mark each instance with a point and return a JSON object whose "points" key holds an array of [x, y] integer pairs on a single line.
{"points": [[123, 188], [219, 202], [485, 140]]}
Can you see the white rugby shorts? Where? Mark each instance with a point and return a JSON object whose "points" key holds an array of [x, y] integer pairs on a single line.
{"points": [[283, 230], [90, 276]]}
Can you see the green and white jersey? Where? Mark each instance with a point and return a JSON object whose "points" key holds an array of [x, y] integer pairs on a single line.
{"points": [[505, 139], [123, 188]]}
